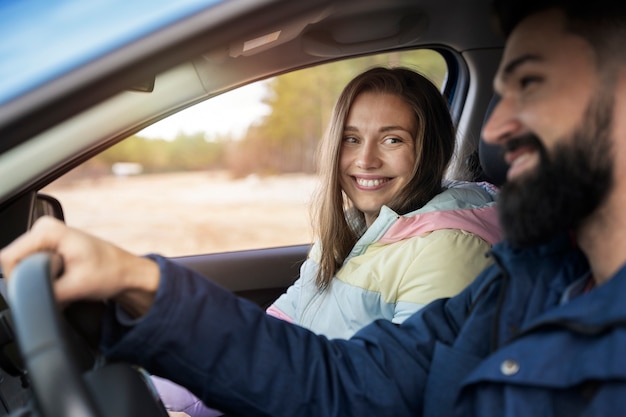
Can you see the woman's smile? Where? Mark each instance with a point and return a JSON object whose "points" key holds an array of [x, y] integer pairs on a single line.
{"points": [[371, 184]]}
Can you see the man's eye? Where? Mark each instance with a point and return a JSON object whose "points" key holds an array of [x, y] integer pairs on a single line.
{"points": [[527, 81]]}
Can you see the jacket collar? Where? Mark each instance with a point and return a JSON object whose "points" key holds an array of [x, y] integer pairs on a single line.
{"points": [[555, 266]]}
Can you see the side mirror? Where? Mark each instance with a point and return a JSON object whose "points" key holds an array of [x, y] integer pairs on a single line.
{"points": [[46, 205], [18, 215]]}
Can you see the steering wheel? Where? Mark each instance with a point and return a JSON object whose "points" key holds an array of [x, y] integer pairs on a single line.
{"points": [[60, 388]]}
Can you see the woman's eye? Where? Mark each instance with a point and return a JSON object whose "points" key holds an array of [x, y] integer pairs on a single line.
{"points": [[393, 140], [350, 139]]}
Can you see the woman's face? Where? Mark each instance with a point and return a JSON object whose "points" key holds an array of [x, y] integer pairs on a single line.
{"points": [[377, 156]]}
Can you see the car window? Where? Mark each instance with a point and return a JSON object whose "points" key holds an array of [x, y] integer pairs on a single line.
{"points": [[236, 172]]}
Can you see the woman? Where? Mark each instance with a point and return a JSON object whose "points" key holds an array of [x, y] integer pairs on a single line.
{"points": [[391, 238]]}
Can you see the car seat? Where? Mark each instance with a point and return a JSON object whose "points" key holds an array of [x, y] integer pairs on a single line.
{"points": [[492, 163]]}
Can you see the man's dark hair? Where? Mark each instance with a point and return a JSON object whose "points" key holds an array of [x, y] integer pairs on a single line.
{"points": [[601, 22], [595, 12]]}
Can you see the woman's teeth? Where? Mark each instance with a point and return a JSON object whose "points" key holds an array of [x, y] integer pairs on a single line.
{"points": [[369, 183]]}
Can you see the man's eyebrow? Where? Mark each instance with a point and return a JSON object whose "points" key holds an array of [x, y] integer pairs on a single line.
{"points": [[517, 62]]}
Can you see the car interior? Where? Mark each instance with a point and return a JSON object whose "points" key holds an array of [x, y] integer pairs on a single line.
{"points": [[52, 128]]}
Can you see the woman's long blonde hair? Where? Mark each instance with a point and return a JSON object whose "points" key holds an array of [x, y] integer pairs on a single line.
{"points": [[338, 223]]}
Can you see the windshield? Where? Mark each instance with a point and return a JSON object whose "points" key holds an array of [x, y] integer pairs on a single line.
{"points": [[48, 39]]}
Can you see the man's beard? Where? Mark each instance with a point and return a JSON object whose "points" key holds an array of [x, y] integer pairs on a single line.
{"points": [[566, 186]]}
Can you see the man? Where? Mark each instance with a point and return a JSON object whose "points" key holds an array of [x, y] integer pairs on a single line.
{"points": [[540, 333]]}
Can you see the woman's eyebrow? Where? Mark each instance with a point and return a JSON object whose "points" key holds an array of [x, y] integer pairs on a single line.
{"points": [[383, 129], [390, 128]]}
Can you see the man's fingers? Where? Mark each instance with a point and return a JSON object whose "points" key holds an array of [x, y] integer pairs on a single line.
{"points": [[93, 269], [44, 236]]}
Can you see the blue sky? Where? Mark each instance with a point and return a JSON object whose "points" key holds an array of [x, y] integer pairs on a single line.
{"points": [[42, 39]]}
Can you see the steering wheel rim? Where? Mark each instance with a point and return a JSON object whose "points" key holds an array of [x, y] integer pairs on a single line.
{"points": [[56, 380]]}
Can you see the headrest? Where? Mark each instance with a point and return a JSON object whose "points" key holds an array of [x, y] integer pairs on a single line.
{"points": [[492, 161]]}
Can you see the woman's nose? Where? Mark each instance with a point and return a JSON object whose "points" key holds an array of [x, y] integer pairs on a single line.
{"points": [[368, 157]]}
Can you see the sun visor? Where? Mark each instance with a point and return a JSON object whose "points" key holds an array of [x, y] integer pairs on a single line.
{"points": [[376, 29]]}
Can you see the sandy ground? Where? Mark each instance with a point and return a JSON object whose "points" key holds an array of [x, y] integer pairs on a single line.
{"points": [[190, 213]]}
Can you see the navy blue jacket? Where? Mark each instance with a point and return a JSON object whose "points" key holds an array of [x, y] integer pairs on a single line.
{"points": [[506, 346]]}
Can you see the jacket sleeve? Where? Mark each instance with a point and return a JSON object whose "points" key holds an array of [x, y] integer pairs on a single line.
{"points": [[240, 360], [287, 306], [443, 263]]}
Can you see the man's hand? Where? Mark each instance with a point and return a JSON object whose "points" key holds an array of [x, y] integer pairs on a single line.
{"points": [[93, 269]]}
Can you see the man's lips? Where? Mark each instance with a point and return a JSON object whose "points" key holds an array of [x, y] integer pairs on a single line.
{"points": [[511, 156], [521, 160]]}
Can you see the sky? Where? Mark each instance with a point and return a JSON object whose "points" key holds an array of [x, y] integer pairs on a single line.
{"points": [[44, 39], [230, 113]]}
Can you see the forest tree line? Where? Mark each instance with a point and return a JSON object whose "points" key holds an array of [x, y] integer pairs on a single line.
{"points": [[285, 140]]}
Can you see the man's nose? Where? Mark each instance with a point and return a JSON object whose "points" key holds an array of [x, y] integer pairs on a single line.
{"points": [[501, 124]]}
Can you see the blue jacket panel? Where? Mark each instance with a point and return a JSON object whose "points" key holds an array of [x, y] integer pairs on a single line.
{"points": [[506, 346]]}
